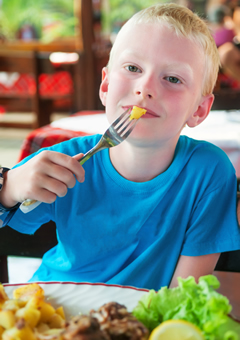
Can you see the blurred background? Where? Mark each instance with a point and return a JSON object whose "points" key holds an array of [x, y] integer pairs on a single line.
{"points": [[76, 36], [56, 19]]}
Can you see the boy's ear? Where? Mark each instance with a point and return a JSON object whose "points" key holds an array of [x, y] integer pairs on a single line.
{"points": [[103, 91], [202, 111]]}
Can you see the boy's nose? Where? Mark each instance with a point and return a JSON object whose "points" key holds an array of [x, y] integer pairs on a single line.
{"points": [[144, 94], [146, 88]]}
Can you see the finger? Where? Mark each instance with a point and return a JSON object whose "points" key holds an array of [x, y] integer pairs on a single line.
{"points": [[45, 196], [54, 186], [65, 161], [79, 156], [45, 189], [61, 174]]}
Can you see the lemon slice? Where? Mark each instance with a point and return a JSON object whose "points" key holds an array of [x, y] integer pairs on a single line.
{"points": [[176, 330]]}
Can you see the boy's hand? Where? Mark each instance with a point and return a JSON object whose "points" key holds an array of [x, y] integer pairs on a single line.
{"points": [[44, 178]]}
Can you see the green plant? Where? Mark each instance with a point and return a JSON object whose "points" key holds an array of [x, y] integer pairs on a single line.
{"points": [[121, 10], [15, 13]]}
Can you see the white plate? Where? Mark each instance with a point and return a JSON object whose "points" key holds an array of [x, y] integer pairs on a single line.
{"points": [[77, 298]]}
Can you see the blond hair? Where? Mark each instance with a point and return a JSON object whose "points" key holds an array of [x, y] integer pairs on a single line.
{"points": [[186, 24]]}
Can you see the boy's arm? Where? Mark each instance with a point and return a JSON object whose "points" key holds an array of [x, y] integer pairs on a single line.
{"points": [[44, 177], [195, 266]]}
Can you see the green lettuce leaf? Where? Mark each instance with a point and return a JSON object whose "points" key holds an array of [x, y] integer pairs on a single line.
{"points": [[198, 303]]}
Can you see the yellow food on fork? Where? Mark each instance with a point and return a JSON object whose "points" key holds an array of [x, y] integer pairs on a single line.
{"points": [[176, 330], [137, 112]]}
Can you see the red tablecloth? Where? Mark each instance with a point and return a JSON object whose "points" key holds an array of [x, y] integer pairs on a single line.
{"points": [[48, 136]]}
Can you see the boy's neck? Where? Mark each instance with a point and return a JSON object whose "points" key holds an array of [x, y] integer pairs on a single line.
{"points": [[139, 164]]}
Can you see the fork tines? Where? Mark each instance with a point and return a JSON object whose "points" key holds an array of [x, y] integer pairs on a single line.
{"points": [[123, 115], [125, 132], [123, 125]]}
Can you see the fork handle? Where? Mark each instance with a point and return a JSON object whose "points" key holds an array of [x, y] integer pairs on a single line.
{"points": [[100, 146], [86, 156], [28, 205]]}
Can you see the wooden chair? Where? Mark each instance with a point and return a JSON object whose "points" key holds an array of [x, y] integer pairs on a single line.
{"points": [[34, 63], [13, 243], [23, 63]]}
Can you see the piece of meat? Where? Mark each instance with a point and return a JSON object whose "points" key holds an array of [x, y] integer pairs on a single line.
{"points": [[110, 311], [118, 323], [84, 328], [112, 321], [125, 329]]}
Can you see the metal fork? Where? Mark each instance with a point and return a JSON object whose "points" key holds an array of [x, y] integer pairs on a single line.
{"points": [[117, 132]]}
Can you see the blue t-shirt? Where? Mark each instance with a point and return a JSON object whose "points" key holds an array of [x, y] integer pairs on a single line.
{"points": [[116, 231]]}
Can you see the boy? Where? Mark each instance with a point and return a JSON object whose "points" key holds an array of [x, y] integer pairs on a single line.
{"points": [[158, 205]]}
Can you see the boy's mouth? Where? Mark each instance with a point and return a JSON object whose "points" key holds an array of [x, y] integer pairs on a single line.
{"points": [[148, 114]]}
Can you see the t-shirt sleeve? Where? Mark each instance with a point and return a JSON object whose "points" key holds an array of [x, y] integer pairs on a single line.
{"points": [[213, 226]]}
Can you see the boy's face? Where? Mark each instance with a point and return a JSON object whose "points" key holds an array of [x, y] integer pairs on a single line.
{"points": [[156, 70]]}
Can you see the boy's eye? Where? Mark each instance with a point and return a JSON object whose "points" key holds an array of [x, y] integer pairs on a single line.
{"points": [[173, 80], [133, 68]]}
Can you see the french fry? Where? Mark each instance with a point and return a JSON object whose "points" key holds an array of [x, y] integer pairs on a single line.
{"points": [[3, 295], [60, 311], [56, 321], [14, 333], [46, 310], [12, 305], [28, 316], [42, 327], [26, 292], [7, 319], [1, 331]]}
